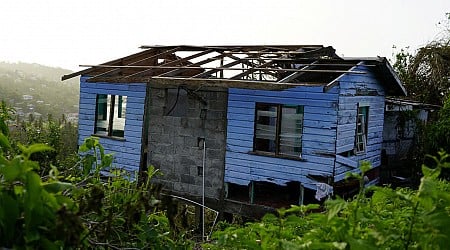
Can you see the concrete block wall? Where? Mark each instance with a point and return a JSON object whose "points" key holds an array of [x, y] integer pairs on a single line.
{"points": [[175, 148]]}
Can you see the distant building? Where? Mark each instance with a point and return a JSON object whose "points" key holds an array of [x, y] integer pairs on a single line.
{"points": [[27, 97], [71, 117]]}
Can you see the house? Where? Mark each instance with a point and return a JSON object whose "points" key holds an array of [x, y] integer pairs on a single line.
{"points": [[249, 124], [404, 123]]}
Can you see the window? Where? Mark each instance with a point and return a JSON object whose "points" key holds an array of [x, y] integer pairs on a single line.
{"points": [[278, 129], [361, 129], [110, 115]]}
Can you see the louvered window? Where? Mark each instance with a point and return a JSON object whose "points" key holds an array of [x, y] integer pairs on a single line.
{"points": [[361, 129], [278, 129]]}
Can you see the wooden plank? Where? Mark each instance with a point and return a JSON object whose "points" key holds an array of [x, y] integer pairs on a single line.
{"points": [[254, 169], [301, 96], [318, 146], [239, 123], [346, 161], [297, 89], [277, 100], [246, 134], [319, 131], [317, 138], [241, 143], [344, 148], [256, 159], [240, 131], [320, 123]]}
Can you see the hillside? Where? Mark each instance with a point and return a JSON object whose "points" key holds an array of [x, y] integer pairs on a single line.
{"points": [[37, 89]]}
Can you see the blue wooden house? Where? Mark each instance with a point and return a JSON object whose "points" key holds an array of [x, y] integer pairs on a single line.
{"points": [[250, 124]]}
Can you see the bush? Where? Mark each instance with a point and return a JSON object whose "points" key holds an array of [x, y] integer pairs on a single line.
{"points": [[87, 212], [378, 218]]}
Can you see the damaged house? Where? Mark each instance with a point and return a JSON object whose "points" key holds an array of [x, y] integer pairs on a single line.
{"points": [[251, 124]]}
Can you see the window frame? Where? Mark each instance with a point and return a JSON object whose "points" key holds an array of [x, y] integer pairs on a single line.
{"points": [[278, 131], [109, 113], [362, 109]]}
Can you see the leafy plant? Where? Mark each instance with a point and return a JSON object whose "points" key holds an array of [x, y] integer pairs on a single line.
{"points": [[377, 218], [118, 211], [34, 213]]}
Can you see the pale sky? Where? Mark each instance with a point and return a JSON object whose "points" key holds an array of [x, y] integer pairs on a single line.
{"points": [[67, 33]]}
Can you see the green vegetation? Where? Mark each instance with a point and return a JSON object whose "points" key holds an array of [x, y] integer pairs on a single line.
{"points": [[75, 207], [426, 74], [377, 218], [38, 90], [58, 134]]}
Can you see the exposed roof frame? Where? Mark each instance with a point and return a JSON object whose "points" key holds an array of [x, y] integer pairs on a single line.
{"points": [[216, 69], [282, 66], [172, 63], [87, 71], [249, 71], [156, 56], [297, 73]]}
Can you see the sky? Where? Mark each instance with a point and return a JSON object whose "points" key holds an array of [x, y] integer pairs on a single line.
{"points": [[68, 33]]}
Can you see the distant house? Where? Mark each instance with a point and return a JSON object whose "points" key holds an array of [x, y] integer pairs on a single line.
{"points": [[27, 97], [264, 124]]}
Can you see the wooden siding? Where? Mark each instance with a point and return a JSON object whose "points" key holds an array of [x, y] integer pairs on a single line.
{"points": [[127, 151], [363, 90], [319, 136]]}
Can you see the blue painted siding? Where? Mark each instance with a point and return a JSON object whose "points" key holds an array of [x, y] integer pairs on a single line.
{"points": [[329, 129], [353, 91], [319, 136], [126, 152]]}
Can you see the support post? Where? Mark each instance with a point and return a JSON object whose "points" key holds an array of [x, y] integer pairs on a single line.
{"points": [[302, 195], [252, 192]]}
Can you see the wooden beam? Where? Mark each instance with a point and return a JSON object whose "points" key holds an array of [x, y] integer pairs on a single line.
{"points": [[139, 61], [296, 74], [225, 67], [248, 71], [301, 199], [86, 71], [252, 192], [185, 59], [235, 47], [214, 70], [226, 83], [336, 80], [179, 70]]}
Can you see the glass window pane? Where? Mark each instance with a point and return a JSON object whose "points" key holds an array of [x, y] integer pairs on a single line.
{"points": [[102, 117], [119, 116], [105, 112], [291, 130], [265, 130]]}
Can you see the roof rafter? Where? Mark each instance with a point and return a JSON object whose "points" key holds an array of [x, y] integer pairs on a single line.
{"points": [[181, 60], [249, 71], [296, 74], [153, 57]]}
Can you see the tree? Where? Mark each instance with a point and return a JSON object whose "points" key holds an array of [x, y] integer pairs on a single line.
{"points": [[426, 74]]}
